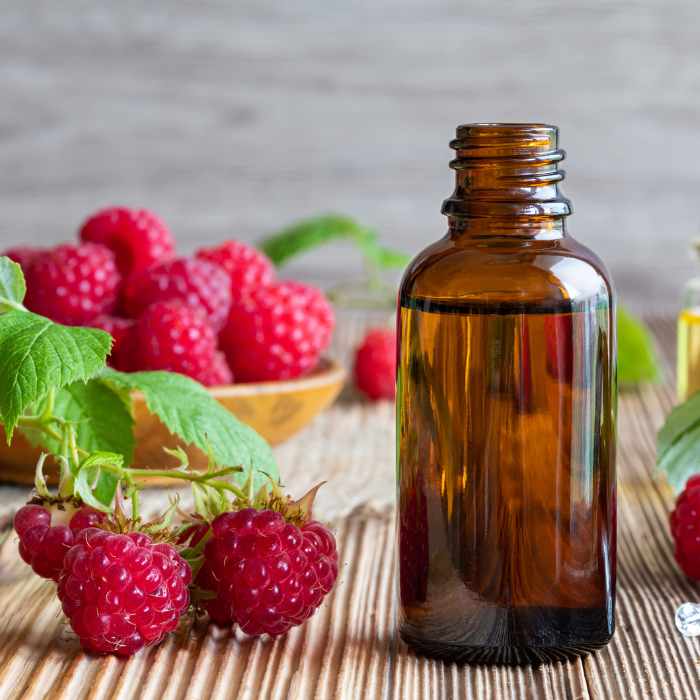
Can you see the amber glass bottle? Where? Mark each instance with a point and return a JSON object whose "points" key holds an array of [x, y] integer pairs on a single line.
{"points": [[506, 417]]}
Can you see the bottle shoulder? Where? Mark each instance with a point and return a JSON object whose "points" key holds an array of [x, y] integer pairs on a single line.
{"points": [[508, 270]]}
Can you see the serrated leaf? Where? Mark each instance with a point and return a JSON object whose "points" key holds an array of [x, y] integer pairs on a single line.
{"points": [[637, 358], [12, 286], [187, 409], [101, 416], [37, 355], [679, 421], [678, 443]]}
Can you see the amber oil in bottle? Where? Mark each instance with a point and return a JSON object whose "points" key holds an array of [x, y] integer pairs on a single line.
{"points": [[506, 404]]}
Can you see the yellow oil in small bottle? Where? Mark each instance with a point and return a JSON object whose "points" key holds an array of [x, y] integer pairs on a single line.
{"points": [[688, 370]]}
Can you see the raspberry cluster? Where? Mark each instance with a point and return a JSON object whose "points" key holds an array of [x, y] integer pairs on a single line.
{"points": [[268, 575], [124, 278]]}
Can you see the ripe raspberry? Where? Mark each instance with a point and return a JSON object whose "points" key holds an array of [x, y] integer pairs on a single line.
{"points": [[268, 575], [375, 364], [118, 328], [22, 255], [277, 332], [72, 284], [217, 373], [44, 538], [195, 282], [171, 336], [413, 545], [137, 237], [247, 267], [122, 592], [685, 528]]}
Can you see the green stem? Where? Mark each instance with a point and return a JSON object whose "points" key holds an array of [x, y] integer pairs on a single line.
{"points": [[36, 423], [73, 449], [202, 479], [47, 415], [134, 495]]}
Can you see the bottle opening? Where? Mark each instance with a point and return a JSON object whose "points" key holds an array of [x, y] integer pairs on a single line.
{"points": [[507, 171]]}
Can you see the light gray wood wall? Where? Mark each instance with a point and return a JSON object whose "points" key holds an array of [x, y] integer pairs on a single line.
{"points": [[234, 118]]}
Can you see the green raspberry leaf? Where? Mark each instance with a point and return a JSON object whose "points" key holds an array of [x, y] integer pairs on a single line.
{"points": [[103, 422], [86, 475], [637, 359], [37, 355], [12, 286], [386, 258], [187, 409], [678, 443], [309, 234]]}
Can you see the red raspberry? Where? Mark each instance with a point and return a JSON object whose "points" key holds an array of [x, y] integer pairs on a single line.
{"points": [[169, 335], [118, 328], [195, 282], [375, 364], [685, 528], [72, 284], [268, 575], [44, 540], [137, 237], [22, 255], [277, 332], [247, 267], [217, 373], [122, 592]]}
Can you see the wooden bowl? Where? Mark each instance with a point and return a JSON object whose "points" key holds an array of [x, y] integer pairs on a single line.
{"points": [[276, 410]]}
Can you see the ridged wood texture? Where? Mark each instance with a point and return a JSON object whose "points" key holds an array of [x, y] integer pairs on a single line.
{"points": [[350, 649]]}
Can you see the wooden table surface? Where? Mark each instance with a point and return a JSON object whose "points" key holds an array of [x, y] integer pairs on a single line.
{"points": [[351, 649]]}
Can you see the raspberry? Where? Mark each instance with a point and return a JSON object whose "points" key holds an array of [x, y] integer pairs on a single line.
{"points": [[268, 575], [375, 364], [23, 255], [118, 328], [44, 540], [276, 332], [217, 373], [195, 282], [247, 267], [72, 284], [169, 336], [413, 546], [137, 237], [122, 592], [685, 528]]}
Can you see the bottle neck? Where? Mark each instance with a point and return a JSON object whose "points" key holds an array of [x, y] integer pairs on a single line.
{"points": [[507, 182]]}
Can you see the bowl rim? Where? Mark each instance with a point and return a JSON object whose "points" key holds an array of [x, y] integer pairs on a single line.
{"points": [[329, 371]]}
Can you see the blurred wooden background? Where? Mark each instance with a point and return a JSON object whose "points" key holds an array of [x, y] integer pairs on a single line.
{"points": [[235, 118]]}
